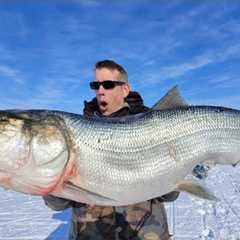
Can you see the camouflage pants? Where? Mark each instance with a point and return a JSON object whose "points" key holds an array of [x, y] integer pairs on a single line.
{"points": [[144, 221]]}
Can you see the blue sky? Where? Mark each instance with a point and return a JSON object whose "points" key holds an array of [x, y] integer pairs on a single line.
{"points": [[48, 49]]}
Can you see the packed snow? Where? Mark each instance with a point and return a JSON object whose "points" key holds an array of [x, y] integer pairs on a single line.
{"points": [[24, 217]]}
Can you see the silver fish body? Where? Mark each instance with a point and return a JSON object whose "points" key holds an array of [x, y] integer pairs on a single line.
{"points": [[119, 161]]}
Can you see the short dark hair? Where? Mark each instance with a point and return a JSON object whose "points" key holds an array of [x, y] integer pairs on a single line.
{"points": [[111, 65]]}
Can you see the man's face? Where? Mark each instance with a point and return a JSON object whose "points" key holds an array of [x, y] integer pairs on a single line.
{"points": [[110, 100]]}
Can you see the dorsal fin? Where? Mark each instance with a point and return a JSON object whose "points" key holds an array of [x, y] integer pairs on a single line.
{"points": [[171, 99]]}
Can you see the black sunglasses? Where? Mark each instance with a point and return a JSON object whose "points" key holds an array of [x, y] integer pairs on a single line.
{"points": [[107, 84]]}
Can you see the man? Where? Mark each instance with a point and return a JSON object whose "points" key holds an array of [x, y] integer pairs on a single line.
{"points": [[146, 220]]}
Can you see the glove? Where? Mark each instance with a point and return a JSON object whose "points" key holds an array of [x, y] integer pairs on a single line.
{"points": [[57, 203], [169, 197]]}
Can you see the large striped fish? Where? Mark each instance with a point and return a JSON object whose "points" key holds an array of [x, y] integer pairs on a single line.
{"points": [[114, 161]]}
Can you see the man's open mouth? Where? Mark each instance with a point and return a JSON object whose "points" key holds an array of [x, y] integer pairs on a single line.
{"points": [[103, 103]]}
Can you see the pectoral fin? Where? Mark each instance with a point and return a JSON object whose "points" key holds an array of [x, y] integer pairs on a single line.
{"points": [[78, 194], [196, 189]]}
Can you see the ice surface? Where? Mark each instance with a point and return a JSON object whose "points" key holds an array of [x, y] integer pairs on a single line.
{"points": [[24, 217]]}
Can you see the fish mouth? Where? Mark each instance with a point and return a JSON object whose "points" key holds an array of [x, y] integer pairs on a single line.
{"points": [[2, 172], [5, 179]]}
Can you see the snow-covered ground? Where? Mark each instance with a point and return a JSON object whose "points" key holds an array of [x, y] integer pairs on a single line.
{"points": [[24, 217]]}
